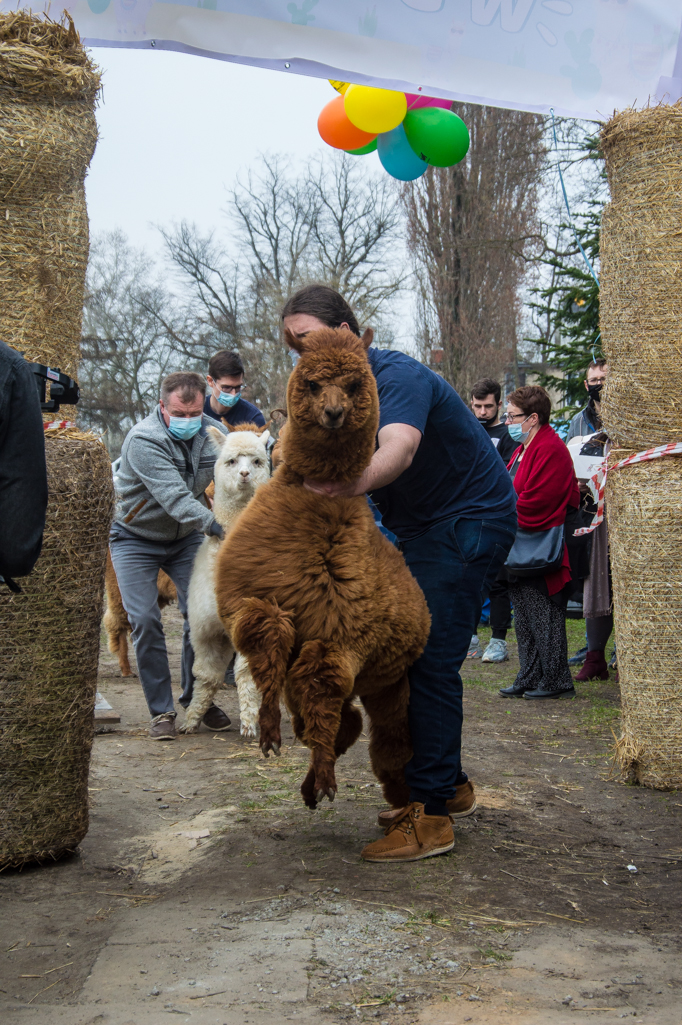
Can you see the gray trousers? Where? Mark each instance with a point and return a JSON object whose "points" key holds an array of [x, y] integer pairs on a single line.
{"points": [[137, 563]]}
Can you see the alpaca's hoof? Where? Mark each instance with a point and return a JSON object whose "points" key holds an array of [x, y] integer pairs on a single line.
{"points": [[329, 792], [186, 728], [268, 746], [247, 730]]}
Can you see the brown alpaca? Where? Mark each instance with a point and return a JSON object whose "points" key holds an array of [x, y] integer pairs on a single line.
{"points": [[116, 621], [320, 603]]}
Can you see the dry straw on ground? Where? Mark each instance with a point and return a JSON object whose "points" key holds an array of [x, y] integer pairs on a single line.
{"points": [[641, 276], [48, 132], [644, 509], [49, 648]]}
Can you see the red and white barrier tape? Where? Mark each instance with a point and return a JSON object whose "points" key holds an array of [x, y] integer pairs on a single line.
{"points": [[597, 483], [56, 425]]}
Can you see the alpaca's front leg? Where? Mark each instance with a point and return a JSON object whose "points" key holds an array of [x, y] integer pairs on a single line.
{"points": [[265, 635], [321, 681]]}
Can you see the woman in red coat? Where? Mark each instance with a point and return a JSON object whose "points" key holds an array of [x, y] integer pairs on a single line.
{"points": [[546, 485]]}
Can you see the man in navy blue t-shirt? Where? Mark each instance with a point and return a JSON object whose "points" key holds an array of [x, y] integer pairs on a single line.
{"points": [[224, 401], [443, 490]]}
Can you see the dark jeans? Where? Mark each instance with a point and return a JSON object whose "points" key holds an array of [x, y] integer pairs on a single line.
{"points": [[500, 609], [455, 564]]}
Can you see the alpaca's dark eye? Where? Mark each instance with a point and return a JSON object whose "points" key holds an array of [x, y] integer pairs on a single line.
{"points": [[314, 387], [352, 388], [232, 461], [256, 462]]}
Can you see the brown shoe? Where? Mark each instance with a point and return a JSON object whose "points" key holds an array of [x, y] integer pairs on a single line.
{"points": [[215, 719], [464, 801], [162, 727], [461, 805], [412, 836]]}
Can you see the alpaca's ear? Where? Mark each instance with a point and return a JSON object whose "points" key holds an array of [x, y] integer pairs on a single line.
{"points": [[293, 341], [282, 412], [216, 436], [264, 428], [367, 338], [265, 437]]}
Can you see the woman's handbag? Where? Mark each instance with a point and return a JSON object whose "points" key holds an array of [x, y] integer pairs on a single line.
{"points": [[536, 552]]}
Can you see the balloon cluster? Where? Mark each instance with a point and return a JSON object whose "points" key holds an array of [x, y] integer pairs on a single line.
{"points": [[409, 132]]}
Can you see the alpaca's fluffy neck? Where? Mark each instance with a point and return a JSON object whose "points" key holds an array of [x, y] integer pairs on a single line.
{"points": [[324, 455], [228, 505]]}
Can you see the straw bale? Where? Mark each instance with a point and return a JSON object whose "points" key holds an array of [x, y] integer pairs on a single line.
{"points": [[48, 133], [641, 276], [644, 509], [49, 648]]}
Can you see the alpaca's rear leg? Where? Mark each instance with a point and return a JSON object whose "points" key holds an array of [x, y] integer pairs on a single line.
{"points": [[122, 652], [249, 698], [350, 729], [321, 679], [265, 635], [390, 746], [212, 656]]}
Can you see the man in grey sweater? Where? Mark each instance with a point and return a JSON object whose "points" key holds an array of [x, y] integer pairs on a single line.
{"points": [[167, 463]]}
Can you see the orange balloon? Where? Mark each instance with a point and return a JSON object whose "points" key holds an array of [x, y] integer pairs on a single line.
{"points": [[337, 131]]}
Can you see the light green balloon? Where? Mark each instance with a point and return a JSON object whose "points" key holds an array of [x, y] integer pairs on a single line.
{"points": [[438, 136]]}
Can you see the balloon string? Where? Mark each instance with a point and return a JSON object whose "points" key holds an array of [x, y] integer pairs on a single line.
{"points": [[568, 209]]}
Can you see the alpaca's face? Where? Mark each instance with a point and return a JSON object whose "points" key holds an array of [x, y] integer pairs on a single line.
{"points": [[242, 463], [332, 386]]}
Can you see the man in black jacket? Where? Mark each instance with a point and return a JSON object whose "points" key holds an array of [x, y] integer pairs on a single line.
{"points": [[486, 403], [23, 474]]}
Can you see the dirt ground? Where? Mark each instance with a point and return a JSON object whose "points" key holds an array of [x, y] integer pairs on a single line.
{"points": [[205, 889]]}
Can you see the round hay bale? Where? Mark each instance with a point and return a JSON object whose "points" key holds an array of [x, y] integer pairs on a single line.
{"points": [[644, 510], [48, 132], [641, 276], [49, 649]]}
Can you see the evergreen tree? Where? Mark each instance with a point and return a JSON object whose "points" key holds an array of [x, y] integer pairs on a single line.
{"points": [[565, 307]]}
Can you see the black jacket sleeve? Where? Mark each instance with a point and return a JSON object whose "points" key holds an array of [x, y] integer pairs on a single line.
{"points": [[507, 446], [23, 474]]}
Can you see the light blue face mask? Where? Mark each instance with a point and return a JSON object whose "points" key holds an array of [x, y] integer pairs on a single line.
{"points": [[184, 427], [517, 433], [225, 399]]}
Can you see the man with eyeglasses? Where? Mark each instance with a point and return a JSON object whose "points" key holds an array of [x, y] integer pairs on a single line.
{"points": [[588, 420], [597, 595], [224, 400]]}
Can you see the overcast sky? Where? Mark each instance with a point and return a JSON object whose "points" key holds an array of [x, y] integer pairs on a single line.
{"points": [[176, 129]]}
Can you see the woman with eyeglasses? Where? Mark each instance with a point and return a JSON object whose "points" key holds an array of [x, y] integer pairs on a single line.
{"points": [[546, 486]]}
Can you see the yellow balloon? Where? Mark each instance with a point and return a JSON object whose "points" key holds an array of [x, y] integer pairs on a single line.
{"points": [[374, 110], [340, 87]]}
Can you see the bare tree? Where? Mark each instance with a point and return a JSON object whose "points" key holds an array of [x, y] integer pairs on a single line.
{"points": [[332, 224], [125, 349], [471, 229]]}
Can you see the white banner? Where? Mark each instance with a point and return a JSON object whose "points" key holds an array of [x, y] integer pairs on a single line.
{"points": [[583, 57]]}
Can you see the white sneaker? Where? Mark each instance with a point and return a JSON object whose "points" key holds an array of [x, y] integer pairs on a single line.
{"points": [[496, 651], [475, 648]]}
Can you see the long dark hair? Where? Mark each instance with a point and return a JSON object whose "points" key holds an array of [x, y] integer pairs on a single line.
{"points": [[325, 304]]}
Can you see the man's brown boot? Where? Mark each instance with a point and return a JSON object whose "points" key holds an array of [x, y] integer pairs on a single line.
{"points": [[412, 836], [461, 805]]}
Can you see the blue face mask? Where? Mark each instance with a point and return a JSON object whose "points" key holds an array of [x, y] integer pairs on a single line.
{"points": [[225, 399], [184, 427], [517, 433]]}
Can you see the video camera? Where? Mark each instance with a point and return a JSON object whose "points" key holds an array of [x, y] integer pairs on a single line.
{"points": [[63, 389]]}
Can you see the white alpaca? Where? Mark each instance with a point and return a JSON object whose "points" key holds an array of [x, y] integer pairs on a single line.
{"points": [[241, 467]]}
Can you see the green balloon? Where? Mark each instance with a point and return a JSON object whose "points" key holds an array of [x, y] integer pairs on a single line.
{"points": [[369, 148], [438, 136]]}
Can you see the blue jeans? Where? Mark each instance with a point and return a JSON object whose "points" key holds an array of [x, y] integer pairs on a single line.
{"points": [[455, 563]]}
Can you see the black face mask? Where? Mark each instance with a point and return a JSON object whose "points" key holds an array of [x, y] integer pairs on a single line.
{"points": [[594, 391], [487, 421]]}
